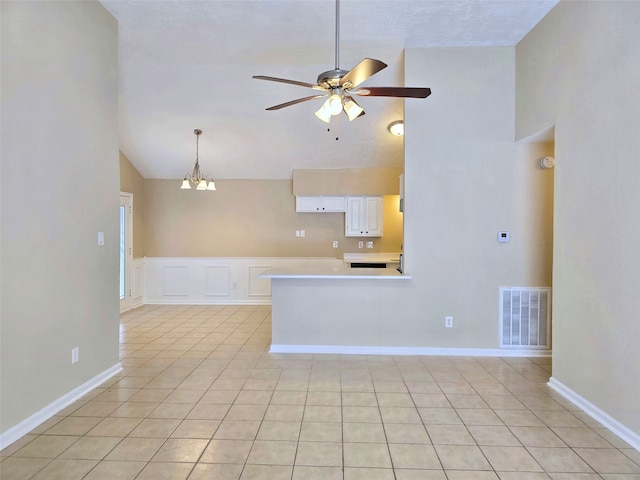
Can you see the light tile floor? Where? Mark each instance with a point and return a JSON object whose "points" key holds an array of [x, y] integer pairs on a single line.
{"points": [[200, 398]]}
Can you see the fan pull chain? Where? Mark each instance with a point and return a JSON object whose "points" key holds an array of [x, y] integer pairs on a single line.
{"points": [[336, 123]]}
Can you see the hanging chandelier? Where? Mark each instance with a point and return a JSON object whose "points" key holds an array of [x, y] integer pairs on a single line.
{"points": [[199, 181]]}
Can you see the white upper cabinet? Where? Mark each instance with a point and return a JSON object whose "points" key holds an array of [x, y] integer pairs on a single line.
{"points": [[363, 217], [320, 204]]}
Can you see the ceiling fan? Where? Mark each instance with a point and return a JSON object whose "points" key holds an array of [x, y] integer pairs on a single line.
{"points": [[339, 86]]}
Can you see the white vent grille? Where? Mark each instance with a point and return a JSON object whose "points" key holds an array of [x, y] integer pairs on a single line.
{"points": [[525, 317]]}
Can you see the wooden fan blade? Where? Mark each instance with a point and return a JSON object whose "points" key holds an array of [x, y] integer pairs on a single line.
{"points": [[291, 82], [406, 92], [293, 102], [361, 72]]}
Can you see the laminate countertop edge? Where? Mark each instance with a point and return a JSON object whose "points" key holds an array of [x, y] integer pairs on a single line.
{"points": [[335, 273]]}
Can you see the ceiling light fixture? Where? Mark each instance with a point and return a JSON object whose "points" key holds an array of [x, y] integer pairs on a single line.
{"points": [[200, 181], [336, 104], [397, 128], [547, 162], [338, 85]]}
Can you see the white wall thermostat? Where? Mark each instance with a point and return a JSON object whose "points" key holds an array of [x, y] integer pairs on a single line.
{"points": [[547, 162], [504, 237]]}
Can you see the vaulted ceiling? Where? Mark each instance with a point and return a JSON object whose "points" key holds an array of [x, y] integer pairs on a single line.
{"points": [[188, 64]]}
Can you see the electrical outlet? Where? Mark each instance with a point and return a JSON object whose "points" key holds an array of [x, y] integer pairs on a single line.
{"points": [[369, 244], [302, 233], [448, 322], [504, 237], [335, 244], [75, 355]]}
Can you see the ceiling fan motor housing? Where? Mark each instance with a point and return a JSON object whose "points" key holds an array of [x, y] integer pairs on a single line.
{"points": [[331, 78]]}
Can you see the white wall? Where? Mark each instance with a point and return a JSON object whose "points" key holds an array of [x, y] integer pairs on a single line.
{"points": [[60, 186], [580, 70], [465, 180]]}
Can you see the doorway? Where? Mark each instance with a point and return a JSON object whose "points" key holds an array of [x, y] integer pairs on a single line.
{"points": [[126, 249]]}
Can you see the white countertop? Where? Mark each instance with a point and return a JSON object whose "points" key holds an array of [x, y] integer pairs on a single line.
{"points": [[363, 257], [335, 272]]}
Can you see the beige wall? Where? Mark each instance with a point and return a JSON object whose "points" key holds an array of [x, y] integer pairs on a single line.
{"points": [[347, 181], [579, 70], [59, 124], [132, 182], [465, 180], [245, 218]]}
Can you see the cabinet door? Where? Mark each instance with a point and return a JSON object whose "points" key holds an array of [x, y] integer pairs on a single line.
{"points": [[308, 204], [373, 224], [355, 216], [333, 204], [319, 204], [363, 217]]}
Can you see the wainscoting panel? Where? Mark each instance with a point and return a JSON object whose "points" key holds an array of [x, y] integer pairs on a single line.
{"points": [[259, 287], [214, 280], [217, 281], [175, 281], [137, 294]]}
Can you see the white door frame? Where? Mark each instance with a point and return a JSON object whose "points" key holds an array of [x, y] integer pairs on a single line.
{"points": [[126, 201]]}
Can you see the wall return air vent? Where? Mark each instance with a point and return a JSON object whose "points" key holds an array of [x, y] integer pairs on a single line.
{"points": [[525, 317]]}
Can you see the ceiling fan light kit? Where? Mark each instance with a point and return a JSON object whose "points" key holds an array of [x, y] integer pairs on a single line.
{"points": [[338, 84], [324, 113], [336, 104], [196, 178], [351, 108]]}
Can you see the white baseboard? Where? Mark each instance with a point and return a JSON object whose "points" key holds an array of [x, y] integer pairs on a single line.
{"points": [[137, 302], [213, 302], [626, 434], [18, 431], [426, 351]]}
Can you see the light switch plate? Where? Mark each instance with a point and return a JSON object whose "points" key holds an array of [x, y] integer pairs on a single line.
{"points": [[75, 355]]}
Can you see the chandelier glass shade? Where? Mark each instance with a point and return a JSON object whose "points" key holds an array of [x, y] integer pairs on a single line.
{"points": [[200, 181]]}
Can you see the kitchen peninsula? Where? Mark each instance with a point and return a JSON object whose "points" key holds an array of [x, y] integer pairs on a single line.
{"points": [[334, 308]]}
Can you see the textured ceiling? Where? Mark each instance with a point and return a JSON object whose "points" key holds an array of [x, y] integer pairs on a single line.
{"points": [[188, 64]]}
